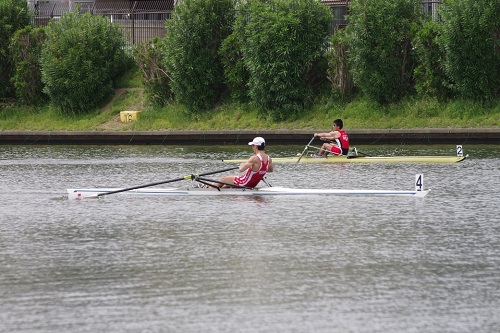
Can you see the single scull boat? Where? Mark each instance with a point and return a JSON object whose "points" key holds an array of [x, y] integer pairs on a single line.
{"points": [[263, 191], [208, 188], [363, 159], [94, 192], [360, 157]]}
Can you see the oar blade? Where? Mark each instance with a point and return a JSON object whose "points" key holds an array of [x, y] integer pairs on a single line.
{"points": [[78, 194]]}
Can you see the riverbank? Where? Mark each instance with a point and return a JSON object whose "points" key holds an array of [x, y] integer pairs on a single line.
{"points": [[411, 121], [236, 137]]}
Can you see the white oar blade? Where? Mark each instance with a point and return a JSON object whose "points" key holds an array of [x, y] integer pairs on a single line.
{"points": [[77, 194]]}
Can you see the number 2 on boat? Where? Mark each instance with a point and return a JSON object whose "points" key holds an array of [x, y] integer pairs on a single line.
{"points": [[419, 182], [460, 151]]}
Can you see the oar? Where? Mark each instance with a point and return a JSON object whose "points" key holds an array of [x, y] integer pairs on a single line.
{"points": [[305, 148], [187, 177], [365, 154], [317, 148], [358, 152]]}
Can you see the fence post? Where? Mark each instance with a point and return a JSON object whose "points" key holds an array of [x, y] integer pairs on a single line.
{"points": [[133, 22]]}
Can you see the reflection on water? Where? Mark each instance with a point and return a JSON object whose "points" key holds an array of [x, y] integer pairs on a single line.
{"points": [[244, 264]]}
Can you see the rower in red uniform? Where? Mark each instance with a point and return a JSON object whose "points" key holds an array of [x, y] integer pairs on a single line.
{"points": [[254, 169], [339, 144]]}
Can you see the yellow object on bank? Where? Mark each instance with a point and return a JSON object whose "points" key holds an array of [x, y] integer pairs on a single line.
{"points": [[129, 116]]}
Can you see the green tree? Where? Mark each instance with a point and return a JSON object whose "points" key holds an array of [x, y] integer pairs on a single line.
{"points": [[430, 76], [380, 34], [14, 15], [26, 48], [281, 41], [470, 37], [194, 36], [155, 77], [338, 72], [236, 75], [81, 57]]}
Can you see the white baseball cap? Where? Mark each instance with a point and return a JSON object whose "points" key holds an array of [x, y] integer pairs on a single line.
{"points": [[258, 141]]}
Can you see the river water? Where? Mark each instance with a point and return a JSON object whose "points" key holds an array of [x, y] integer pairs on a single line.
{"points": [[247, 264]]}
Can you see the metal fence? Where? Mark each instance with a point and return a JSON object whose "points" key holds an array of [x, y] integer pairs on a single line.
{"points": [[340, 9], [431, 7], [145, 19], [139, 20]]}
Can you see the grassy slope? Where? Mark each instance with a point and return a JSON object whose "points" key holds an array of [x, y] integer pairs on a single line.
{"points": [[360, 114]]}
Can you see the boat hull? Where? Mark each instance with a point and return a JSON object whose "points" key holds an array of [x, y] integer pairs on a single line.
{"points": [[99, 192], [364, 159]]}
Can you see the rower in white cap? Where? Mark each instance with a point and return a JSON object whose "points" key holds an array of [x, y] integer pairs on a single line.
{"points": [[254, 169]]}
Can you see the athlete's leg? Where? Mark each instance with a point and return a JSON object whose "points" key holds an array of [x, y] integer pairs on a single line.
{"points": [[226, 179], [325, 149]]}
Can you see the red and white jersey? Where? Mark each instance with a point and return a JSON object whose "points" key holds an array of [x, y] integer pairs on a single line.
{"points": [[343, 142], [251, 178]]}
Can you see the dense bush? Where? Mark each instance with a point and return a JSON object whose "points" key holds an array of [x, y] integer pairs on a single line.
{"points": [[155, 77], [194, 36], [430, 77], [81, 57], [14, 15], [470, 37], [236, 75], [281, 40], [380, 34], [338, 71], [26, 48]]}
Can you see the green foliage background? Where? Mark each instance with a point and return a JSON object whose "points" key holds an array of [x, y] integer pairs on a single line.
{"points": [[280, 41], [236, 75], [26, 48], [380, 34], [14, 15], [338, 70], [155, 77], [470, 37], [194, 36], [430, 76], [81, 57]]}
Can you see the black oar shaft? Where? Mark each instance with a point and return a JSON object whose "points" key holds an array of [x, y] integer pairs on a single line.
{"points": [[192, 176], [359, 152]]}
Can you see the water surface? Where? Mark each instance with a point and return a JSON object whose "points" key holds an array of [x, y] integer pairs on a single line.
{"points": [[244, 264]]}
